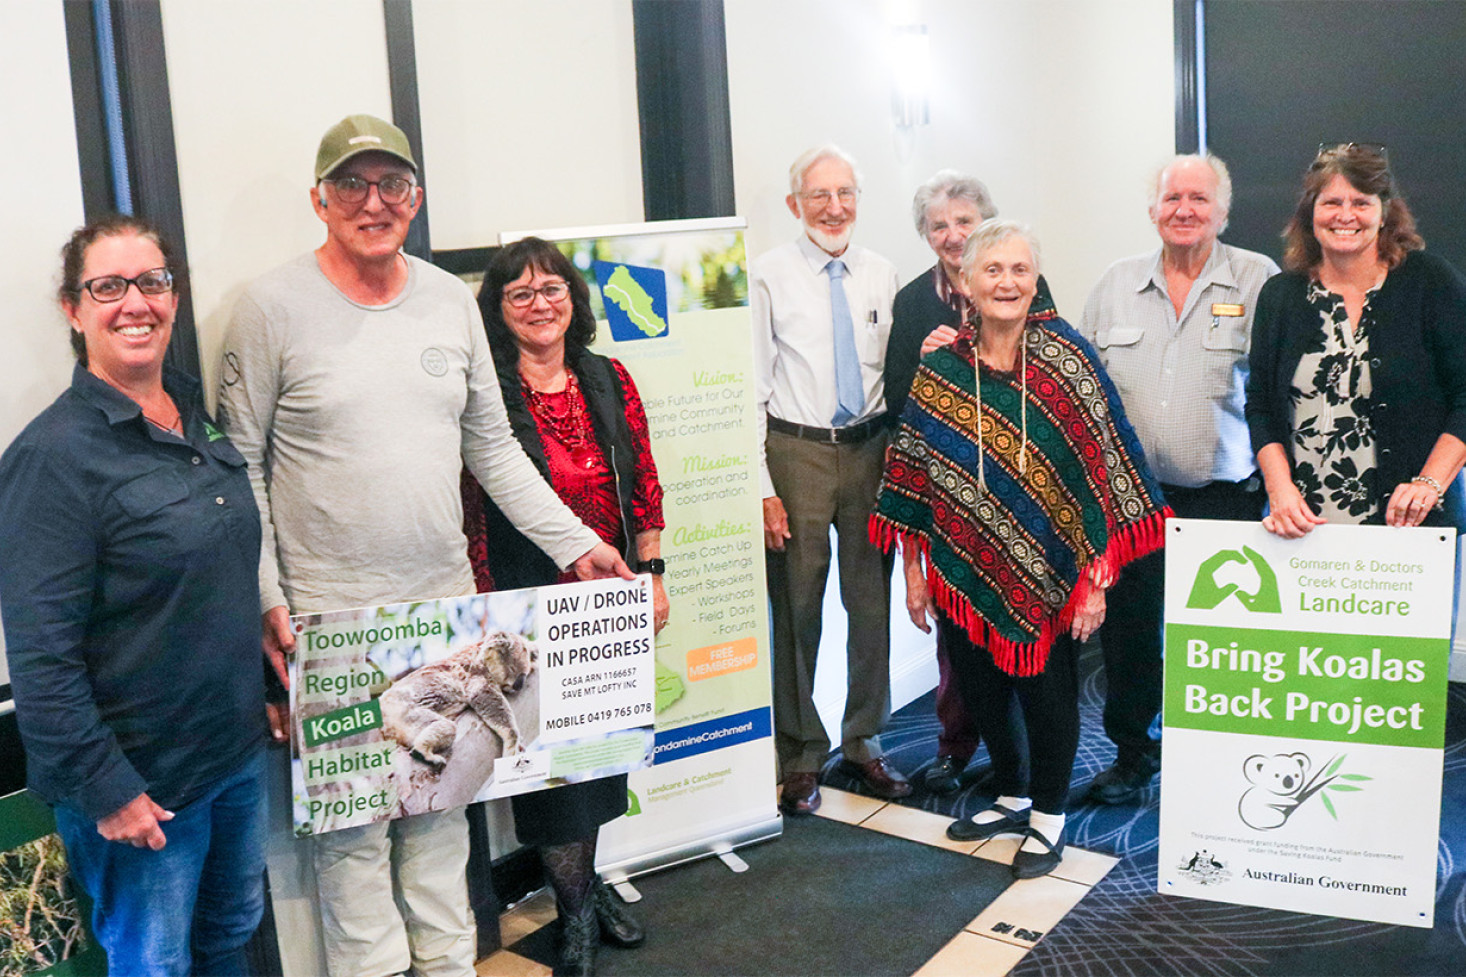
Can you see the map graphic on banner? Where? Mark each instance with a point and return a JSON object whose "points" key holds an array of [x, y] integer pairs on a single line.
{"points": [[406, 708], [672, 300], [1305, 702]]}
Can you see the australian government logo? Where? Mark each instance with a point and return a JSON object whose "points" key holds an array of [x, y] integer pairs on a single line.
{"points": [[635, 298], [1204, 868]]}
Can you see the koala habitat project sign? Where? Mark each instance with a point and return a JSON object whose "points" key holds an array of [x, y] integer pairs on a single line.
{"points": [[1305, 705], [407, 708]]}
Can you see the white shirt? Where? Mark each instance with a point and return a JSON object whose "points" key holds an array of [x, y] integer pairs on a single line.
{"points": [[1182, 380], [793, 338]]}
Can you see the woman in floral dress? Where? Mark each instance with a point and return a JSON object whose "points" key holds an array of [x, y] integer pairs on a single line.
{"points": [[1357, 394]]}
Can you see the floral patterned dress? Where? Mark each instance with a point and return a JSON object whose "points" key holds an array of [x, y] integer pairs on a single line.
{"points": [[1334, 441]]}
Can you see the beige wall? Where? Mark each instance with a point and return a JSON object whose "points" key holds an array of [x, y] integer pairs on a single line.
{"points": [[529, 116], [1035, 98], [253, 87], [41, 209]]}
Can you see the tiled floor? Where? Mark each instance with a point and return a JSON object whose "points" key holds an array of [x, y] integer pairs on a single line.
{"points": [[989, 946]]}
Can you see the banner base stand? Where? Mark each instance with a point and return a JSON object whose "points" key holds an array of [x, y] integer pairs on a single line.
{"points": [[734, 863], [625, 889], [717, 846]]}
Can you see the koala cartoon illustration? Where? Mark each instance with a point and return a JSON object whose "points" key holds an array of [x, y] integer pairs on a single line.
{"points": [[1278, 782], [420, 709]]}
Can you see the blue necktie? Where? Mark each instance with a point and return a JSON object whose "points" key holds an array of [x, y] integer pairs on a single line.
{"points": [[848, 383]]}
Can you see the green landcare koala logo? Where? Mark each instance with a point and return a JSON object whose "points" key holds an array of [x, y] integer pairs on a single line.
{"points": [[1229, 573]]}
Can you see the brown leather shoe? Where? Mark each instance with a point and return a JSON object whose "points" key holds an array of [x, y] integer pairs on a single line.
{"points": [[801, 794], [879, 777]]}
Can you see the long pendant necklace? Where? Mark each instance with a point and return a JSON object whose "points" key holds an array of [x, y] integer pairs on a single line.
{"points": [[982, 482]]}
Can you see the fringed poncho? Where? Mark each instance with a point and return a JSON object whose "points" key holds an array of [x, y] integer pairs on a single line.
{"points": [[1012, 561]]}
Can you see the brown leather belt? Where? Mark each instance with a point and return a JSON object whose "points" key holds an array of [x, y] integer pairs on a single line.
{"points": [[854, 434]]}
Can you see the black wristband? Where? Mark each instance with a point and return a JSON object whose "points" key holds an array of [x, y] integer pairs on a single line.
{"points": [[654, 565]]}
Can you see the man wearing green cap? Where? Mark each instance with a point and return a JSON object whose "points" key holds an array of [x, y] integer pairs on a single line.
{"points": [[355, 378]]}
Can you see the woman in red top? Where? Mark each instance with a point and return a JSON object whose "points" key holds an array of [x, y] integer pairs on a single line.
{"points": [[580, 420]]}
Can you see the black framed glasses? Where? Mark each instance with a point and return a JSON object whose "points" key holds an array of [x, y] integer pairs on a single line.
{"points": [[392, 189], [553, 292], [111, 288], [1376, 148]]}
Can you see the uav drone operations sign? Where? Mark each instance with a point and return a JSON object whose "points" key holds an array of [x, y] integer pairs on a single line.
{"points": [[1305, 708]]}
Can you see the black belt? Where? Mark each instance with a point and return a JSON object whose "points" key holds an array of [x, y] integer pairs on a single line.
{"points": [[854, 434], [1249, 484]]}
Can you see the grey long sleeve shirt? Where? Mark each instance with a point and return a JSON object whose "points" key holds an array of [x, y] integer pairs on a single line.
{"points": [[355, 421]]}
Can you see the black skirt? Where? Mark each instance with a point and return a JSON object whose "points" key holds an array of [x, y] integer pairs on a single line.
{"points": [[560, 815]]}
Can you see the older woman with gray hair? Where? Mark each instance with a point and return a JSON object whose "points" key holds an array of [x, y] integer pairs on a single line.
{"points": [[1017, 490], [927, 313]]}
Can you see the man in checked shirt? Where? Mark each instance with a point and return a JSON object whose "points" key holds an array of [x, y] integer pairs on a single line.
{"points": [[1173, 328]]}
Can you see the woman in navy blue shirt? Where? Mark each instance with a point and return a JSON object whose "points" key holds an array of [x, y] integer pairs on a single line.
{"points": [[129, 588]]}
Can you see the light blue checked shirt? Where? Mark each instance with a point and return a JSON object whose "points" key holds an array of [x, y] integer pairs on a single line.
{"points": [[1182, 380]]}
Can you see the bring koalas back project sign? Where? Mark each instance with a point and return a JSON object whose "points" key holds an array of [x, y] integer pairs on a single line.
{"points": [[1305, 707], [422, 706]]}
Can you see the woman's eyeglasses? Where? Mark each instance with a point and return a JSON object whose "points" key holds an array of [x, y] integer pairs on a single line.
{"points": [[521, 297], [111, 288]]}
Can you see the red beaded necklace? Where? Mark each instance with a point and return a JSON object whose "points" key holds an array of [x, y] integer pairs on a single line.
{"points": [[569, 426]]}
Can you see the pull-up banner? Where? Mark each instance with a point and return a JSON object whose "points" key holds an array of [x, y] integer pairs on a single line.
{"points": [[671, 300], [1305, 710]]}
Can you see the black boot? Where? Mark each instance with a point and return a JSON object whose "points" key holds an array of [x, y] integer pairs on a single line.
{"points": [[578, 942], [618, 926]]}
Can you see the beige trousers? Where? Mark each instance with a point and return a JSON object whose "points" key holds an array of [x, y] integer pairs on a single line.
{"points": [[824, 485], [394, 896]]}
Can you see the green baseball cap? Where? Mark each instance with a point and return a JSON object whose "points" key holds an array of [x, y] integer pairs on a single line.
{"points": [[357, 134]]}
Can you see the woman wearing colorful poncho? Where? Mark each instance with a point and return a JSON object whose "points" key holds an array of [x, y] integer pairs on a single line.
{"points": [[1016, 502]]}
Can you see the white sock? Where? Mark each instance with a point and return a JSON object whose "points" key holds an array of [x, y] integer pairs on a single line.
{"points": [[1051, 826], [1015, 804]]}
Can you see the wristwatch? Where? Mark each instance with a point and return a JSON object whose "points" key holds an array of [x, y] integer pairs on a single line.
{"points": [[654, 565]]}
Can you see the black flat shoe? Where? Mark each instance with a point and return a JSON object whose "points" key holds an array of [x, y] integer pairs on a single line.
{"points": [[618, 926], [1032, 864], [1012, 822]]}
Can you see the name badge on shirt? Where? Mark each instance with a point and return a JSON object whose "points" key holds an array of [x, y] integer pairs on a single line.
{"points": [[1227, 309]]}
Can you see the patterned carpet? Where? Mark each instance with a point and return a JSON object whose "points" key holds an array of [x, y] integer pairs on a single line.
{"points": [[1124, 927]]}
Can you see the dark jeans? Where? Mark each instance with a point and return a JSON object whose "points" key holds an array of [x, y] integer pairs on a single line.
{"points": [[191, 907], [1132, 636], [1049, 702]]}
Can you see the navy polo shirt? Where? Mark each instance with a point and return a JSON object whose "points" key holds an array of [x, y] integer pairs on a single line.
{"points": [[129, 587]]}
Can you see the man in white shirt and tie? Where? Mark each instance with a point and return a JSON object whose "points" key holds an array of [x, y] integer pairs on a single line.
{"points": [[821, 317]]}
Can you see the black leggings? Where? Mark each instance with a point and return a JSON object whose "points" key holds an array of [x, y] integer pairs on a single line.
{"points": [[1050, 708]]}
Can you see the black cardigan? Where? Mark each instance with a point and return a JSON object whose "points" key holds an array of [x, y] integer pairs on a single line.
{"points": [[515, 561], [1417, 362], [914, 314]]}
